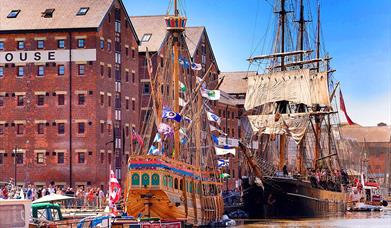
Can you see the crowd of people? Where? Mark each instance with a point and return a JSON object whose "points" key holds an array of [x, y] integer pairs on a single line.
{"points": [[84, 197], [326, 179]]}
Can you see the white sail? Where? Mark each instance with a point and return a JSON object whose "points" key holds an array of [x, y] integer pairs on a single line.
{"points": [[298, 86], [293, 125]]}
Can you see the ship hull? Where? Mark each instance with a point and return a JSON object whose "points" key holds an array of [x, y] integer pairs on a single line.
{"points": [[286, 197]]}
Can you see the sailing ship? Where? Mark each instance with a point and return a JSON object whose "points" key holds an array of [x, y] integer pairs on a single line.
{"points": [[171, 177], [289, 108]]}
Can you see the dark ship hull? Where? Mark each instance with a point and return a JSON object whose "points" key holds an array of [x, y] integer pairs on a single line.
{"points": [[287, 197]]}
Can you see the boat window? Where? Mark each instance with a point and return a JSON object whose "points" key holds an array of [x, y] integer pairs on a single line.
{"points": [[181, 184], [155, 179], [145, 179], [165, 180], [176, 183], [135, 179], [170, 182]]}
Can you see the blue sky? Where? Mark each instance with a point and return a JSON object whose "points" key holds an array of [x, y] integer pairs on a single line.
{"points": [[356, 33]]}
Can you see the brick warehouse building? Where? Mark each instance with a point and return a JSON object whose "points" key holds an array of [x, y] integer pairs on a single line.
{"points": [[68, 87]]}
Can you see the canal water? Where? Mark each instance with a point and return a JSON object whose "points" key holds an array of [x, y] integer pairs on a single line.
{"points": [[349, 220]]}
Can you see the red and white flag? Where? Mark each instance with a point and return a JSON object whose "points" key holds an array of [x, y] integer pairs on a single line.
{"points": [[114, 189], [343, 108], [136, 137]]}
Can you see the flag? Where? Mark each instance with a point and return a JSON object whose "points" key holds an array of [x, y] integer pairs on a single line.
{"points": [[196, 66], [187, 119], [199, 80], [215, 139], [212, 95], [184, 62], [183, 136], [343, 108], [136, 137], [165, 129], [222, 163], [213, 128], [182, 87], [212, 117], [182, 102], [225, 150], [157, 138], [114, 189], [153, 150], [168, 114], [224, 175]]}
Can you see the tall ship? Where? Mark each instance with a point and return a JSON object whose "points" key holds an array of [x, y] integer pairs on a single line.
{"points": [[170, 176], [291, 111]]}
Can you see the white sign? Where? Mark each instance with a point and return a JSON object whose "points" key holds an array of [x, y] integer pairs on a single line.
{"points": [[47, 56]]}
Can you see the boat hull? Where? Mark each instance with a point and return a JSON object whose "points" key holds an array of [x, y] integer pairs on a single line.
{"points": [[287, 197]]}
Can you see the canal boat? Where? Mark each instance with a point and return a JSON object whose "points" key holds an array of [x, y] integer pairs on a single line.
{"points": [[291, 109], [170, 177]]}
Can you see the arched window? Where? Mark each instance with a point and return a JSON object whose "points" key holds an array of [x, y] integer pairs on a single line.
{"points": [[135, 179], [145, 179], [199, 188], [170, 181], [191, 187], [165, 180], [181, 184], [155, 179], [176, 183]]}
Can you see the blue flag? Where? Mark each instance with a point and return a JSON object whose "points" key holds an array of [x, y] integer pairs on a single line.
{"points": [[168, 114], [215, 139], [184, 62]]}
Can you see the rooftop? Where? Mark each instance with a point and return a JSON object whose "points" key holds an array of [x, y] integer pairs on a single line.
{"points": [[193, 37], [367, 134], [152, 27], [235, 82], [67, 14]]}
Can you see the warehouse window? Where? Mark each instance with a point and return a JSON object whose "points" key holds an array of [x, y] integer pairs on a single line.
{"points": [[48, 13], [61, 43], [82, 11], [40, 158], [81, 128], [61, 99], [81, 43], [20, 100], [1, 100], [20, 44], [41, 128], [82, 69], [81, 157], [61, 70], [146, 37], [40, 100], [20, 71], [60, 158], [40, 44], [19, 158], [1, 45], [1, 71], [61, 128], [19, 129], [81, 99], [41, 71], [13, 14]]}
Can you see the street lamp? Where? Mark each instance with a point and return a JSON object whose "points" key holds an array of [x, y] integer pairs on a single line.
{"points": [[15, 163]]}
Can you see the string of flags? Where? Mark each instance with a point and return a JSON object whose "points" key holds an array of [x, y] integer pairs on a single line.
{"points": [[212, 95], [187, 64], [213, 117], [222, 163], [137, 138], [169, 114]]}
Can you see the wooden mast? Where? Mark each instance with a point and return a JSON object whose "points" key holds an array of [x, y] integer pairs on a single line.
{"points": [[318, 40], [282, 50], [176, 34]]}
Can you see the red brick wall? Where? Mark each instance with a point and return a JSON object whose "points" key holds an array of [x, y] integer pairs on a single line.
{"points": [[92, 141]]}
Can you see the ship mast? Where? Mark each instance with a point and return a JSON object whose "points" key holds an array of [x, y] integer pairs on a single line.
{"points": [[176, 25], [318, 40], [282, 25]]}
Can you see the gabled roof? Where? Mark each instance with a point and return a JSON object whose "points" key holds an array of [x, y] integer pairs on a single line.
{"points": [[154, 25], [377, 134], [235, 82], [64, 15], [193, 37]]}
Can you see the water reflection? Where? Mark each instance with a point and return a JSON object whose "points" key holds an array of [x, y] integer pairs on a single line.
{"points": [[349, 219]]}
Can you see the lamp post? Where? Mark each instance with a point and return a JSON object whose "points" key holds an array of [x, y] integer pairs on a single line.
{"points": [[15, 163]]}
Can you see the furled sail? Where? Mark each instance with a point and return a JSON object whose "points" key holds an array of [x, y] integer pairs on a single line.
{"points": [[292, 125], [298, 86]]}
